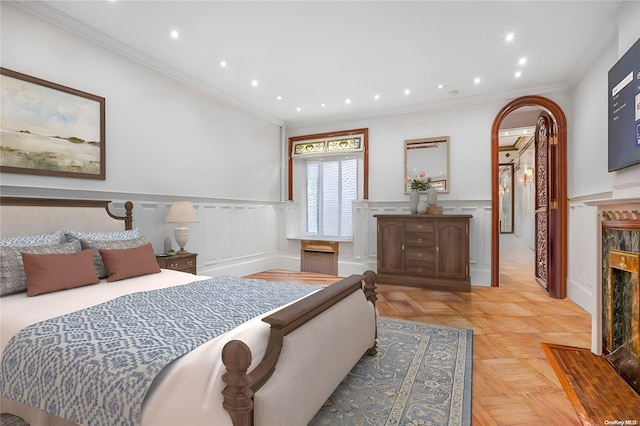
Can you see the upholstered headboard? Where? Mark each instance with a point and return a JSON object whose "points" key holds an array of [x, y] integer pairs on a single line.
{"points": [[29, 216]]}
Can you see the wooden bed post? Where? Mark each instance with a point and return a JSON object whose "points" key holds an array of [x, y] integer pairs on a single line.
{"points": [[128, 221], [128, 214], [370, 278], [238, 397]]}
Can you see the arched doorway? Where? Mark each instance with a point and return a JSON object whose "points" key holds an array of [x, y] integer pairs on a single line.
{"points": [[556, 178]]}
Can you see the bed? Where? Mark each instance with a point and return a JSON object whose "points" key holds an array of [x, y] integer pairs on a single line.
{"points": [[274, 368]]}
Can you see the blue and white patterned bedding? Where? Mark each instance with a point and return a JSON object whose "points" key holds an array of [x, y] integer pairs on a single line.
{"points": [[94, 366]]}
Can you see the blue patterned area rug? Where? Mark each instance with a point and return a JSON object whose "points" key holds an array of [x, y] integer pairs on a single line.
{"points": [[420, 376]]}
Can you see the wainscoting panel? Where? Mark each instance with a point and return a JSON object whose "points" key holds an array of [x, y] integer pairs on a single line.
{"points": [[243, 237], [584, 262]]}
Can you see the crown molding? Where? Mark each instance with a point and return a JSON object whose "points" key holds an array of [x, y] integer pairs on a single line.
{"points": [[460, 102], [75, 26]]}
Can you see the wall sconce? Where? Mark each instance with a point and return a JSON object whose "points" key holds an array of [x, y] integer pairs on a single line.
{"points": [[181, 212], [529, 173], [526, 176]]}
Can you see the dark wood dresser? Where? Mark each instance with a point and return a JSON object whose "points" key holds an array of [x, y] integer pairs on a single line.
{"points": [[430, 251]]}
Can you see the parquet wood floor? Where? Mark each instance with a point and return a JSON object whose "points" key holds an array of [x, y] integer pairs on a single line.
{"points": [[513, 381], [601, 396]]}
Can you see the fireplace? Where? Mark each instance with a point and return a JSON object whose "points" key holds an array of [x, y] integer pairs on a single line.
{"points": [[621, 297]]}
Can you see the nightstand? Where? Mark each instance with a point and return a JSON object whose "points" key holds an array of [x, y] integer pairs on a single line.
{"points": [[185, 262]]}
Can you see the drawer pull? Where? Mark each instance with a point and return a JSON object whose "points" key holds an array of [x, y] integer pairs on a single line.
{"points": [[173, 265], [420, 254], [419, 269], [190, 262], [419, 226], [419, 240]]}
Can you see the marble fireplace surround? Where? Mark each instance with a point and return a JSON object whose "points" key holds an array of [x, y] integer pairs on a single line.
{"points": [[616, 328], [620, 301]]}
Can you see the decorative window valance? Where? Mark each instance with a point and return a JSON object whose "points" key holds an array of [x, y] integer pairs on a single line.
{"points": [[328, 146]]}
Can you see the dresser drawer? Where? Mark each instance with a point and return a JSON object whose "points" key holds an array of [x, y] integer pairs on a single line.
{"points": [[420, 268], [418, 255], [419, 239], [180, 262], [426, 226]]}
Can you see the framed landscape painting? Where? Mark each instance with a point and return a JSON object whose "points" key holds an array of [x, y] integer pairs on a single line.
{"points": [[49, 129]]}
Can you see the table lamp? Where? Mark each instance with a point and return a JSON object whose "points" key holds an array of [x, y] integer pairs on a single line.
{"points": [[181, 212]]}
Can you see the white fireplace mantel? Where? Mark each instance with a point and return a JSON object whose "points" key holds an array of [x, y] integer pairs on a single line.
{"points": [[615, 203]]}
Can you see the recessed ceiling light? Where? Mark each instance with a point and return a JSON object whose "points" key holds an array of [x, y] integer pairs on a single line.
{"points": [[322, 105], [440, 86], [223, 64], [506, 133], [298, 109], [476, 80], [522, 61], [525, 131], [509, 37], [279, 97], [376, 96], [254, 83], [174, 33], [407, 91], [518, 74], [347, 101]]}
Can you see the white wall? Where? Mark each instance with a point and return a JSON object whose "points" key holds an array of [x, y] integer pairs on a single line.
{"points": [[589, 180], [164, 141], [469, 129], [162, 137]]}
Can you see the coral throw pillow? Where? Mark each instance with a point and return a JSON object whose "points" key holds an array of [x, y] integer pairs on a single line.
{"points": [[52, 272], [127, 263]]}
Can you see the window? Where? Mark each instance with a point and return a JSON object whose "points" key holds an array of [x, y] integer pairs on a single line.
{"points": [[332, 186], [330, 172]]}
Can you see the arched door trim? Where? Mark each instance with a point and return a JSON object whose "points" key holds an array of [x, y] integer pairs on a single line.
{"points": [[561, 176]]}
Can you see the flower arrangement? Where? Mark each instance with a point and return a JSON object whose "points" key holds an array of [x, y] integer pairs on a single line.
{"points": [[420, 182]]}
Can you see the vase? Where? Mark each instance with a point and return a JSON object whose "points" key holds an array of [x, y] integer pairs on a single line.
{"points": [[414, 199], [432, 196], [422, 207]]}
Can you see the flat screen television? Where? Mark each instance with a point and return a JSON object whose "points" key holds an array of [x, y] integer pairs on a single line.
{"points": [[624, 110]]}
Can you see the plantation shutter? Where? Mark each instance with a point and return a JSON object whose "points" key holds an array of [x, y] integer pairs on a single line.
{"points": [[313, 197], [349, 180], [331, 188]]}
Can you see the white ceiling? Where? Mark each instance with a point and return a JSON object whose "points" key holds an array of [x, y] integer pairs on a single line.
{"points": [[323, 52]]}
